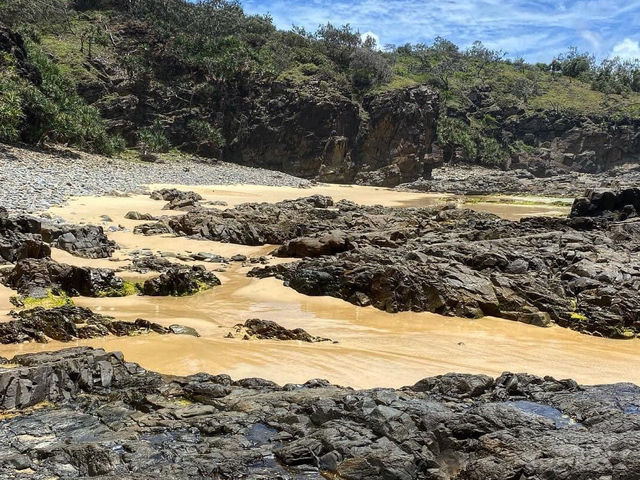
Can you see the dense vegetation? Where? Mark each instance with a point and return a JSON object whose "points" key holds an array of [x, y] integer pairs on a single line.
{"points": [[73, 43]]}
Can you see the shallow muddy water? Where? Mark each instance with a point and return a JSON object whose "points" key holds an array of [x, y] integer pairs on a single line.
{"points": [[374, 348]]}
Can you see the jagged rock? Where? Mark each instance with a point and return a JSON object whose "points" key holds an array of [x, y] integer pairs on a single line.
{"points": [[88, 241], [93, 403], [134, 215], [178, 200], [20, 238], [152, 263], [269, 330], [619, 205], [179, 281], [158, 228], [576, 272], [35, 278], [68, 323]]}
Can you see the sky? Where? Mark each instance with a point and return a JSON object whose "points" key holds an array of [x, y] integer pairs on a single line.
{"points": [[537, 31]]}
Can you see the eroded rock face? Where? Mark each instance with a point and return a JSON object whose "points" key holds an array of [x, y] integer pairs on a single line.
{"points": [[180, 281], [34, 278], [68, 323], [323, 134], [269, 330], [451, 426], [397, 146]]}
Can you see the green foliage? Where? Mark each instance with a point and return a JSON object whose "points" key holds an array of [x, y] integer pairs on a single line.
{"points": [[56, 112], [11, 114], [49, 13], [203, 131], [476, 146], [153, 139]]}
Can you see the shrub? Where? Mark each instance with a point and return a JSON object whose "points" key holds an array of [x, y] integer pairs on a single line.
{"points": [[11, 114], [203, 131], [152, 139]]}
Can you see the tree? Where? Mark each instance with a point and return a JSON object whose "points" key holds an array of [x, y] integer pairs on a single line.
{"points": [[368, 66], [482, 57], [574, 63], [338, 43], [525, 88], [441, 60]]}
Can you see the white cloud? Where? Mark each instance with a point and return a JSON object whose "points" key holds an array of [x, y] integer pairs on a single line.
{"points": [[627, 49], [536, 30], [375, 36]]}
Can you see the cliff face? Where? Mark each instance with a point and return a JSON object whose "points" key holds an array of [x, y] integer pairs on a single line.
{"points": [[386, 141], [579, 143]]}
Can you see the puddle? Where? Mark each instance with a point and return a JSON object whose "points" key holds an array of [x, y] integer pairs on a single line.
{"points": [[260, 434], [561, 420]]}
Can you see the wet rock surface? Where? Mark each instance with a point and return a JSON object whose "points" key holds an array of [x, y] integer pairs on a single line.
{"points": [[256, 328], [579, 272], [68, 323], [88, 241], [88, 413], [37, 277], [180, 281]]}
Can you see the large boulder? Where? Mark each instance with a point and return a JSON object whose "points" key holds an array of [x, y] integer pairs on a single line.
{"points": [[256, 328], [37, 277], [20, 238], [88, 241], [620, 204], [181, 281], [324, 244]]}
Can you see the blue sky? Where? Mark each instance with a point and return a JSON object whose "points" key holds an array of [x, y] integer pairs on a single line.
{"points": [[535, 30]]}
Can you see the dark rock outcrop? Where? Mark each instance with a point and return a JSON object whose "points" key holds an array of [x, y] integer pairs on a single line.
{"points": [[88, 241], [618, 205], [397, 145], [152, 263], [20, 238], [35, 278], [68, 323], [269, 330], [180, 281], [93, 404]]}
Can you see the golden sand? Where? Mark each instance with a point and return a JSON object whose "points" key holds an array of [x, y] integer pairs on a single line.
{"points": [[375, 348]]}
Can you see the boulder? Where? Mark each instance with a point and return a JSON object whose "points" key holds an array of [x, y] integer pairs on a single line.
{"points": [[180, 281], [37, 277], [269, 330]]}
